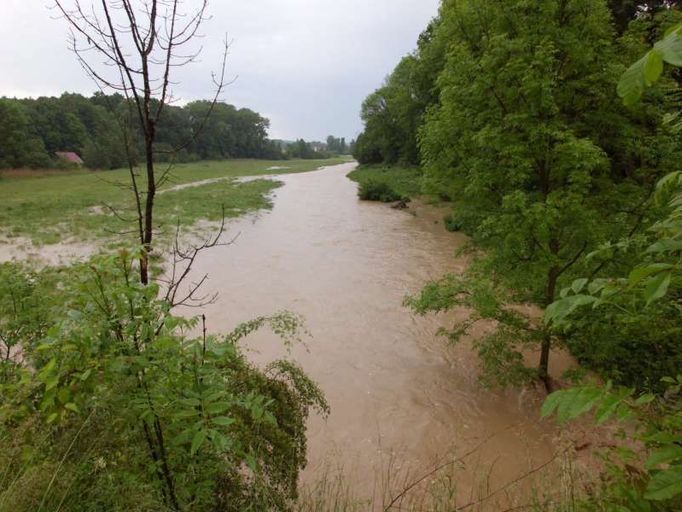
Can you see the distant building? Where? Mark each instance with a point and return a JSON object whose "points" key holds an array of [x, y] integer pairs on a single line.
{"points": [[69, 157]]}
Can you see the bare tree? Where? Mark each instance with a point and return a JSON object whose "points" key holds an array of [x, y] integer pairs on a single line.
{"points": [[132, 47]]}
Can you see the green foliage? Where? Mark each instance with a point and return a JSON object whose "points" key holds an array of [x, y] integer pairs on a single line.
{"points": [[648, 70], [24, 315], [305, 150], [337, 146], [655, 422], [215, 132], [392, 116], [651, 290], [518, 140], [374, 190], [19, 146], [479, 293], [32, 130], [648, 298], [387, 184], [635, 317], [113, 407], [452, 224]]}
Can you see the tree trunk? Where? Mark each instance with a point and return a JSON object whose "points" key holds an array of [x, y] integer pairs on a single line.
{"points": [[149, 207], [552, 277]]}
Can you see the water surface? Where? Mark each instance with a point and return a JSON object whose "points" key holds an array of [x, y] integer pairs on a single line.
{"points": [[393, 386]]}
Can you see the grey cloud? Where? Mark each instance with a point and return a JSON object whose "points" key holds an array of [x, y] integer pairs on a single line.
{"points": [[305, 64]]}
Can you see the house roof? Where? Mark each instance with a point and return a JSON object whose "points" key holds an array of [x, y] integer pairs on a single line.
{"points": [[69, 156]]}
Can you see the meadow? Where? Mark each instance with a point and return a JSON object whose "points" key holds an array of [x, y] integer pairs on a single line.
{"points": [[58, 206]]}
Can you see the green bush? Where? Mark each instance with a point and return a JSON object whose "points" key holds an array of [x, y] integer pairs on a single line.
{"points": [[452, 224], [113, 407], [375, 190]]}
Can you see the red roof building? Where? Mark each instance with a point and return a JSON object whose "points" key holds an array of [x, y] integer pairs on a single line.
{"points": [[70, 157]]}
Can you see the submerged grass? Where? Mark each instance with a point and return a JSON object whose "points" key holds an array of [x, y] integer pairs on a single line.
{"points": [[49, 208], [391, 182]]}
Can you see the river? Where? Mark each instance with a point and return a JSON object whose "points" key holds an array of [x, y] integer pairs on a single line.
{"points": [[401, 399]]}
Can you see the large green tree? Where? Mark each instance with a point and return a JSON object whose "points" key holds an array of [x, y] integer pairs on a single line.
{"points": [[529, 141], [19, 147]]}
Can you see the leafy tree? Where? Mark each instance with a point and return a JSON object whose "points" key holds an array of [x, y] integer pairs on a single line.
{"points": [[18, 146], [521, 141], [392, 116], [93, 127], [651, 289], [337, 146]]}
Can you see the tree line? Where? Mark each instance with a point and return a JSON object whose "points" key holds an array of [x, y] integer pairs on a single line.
{"points": [[570, 194], [33, 130], [512, 115]]}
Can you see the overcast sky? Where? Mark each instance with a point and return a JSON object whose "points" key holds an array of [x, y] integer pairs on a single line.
{"points": [[305, 64]]}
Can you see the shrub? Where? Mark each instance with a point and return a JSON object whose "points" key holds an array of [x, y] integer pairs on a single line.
{"points": [[114, 407], [375, 190], [452, 224]]}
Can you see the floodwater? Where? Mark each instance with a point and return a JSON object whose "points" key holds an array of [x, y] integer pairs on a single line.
{"points": [[401, 399]]}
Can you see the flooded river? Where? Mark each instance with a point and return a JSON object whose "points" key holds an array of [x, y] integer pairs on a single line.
{"points": [[399, 395]]}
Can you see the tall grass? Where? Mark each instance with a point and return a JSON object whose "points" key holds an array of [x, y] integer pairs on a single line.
{"points": [[553, 486]]}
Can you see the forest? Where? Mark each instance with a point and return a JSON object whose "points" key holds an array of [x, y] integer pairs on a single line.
{"points": [[552, 128], [33, 130]]}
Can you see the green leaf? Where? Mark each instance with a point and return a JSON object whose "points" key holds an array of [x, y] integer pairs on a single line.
{"points": [[198, 440], [51, 383], [64, 395], [579, 284], [607, 408], [551, 404], [72, 407], [653, 66], [186, 413], [665, 246], [665, 485], [47, 369], [218, 407], [640, 273], [223, 421], [657, 287], [645, 399], [670, 49], [675, 28], [633, 82], [581, 402], [664, 456], [251, 462]]}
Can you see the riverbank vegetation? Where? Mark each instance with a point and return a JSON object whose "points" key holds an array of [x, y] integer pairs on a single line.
{"points": [[86, 205], [34, 130], [107, 404], [387, 184], [513, 115]]}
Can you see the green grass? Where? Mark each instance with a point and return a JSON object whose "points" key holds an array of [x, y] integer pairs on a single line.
{"points": [[71, 205], [403, 181]]}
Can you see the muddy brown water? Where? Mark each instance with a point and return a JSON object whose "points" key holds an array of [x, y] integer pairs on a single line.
{"points": [[400, 397]]}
